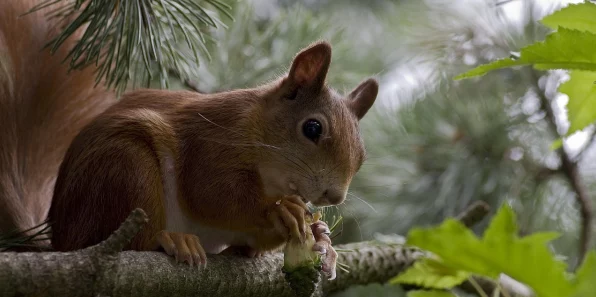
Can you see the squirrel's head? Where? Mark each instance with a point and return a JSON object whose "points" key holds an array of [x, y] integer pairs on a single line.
{"points": [[312, 132]]}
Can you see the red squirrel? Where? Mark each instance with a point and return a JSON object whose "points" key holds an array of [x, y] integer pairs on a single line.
{"points": [[42, 108], [213, 171]]}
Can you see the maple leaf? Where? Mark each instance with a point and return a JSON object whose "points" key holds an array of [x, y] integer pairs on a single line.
{"points": [[526, 259]]}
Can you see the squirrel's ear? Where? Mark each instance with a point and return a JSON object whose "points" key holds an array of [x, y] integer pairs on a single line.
{"points": [[363, 96], [310, 66]]}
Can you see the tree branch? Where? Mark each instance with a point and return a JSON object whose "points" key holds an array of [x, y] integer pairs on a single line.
{"points": [[571, 172], [102, 271], [474, 213], [121, 237], [588, 145], [132, 273]]}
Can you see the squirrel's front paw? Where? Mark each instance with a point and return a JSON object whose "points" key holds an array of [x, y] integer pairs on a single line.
{"points": [[287, 216], [321, 232], [184, 247]]}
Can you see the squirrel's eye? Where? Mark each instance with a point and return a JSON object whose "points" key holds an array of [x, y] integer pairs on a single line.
{"points": [[312, 129]]}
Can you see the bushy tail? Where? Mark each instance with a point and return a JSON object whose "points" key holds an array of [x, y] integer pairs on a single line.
{"points": [[42, 108]]}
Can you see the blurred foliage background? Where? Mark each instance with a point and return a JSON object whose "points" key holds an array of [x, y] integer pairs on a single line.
{"points": [[435, 145]]}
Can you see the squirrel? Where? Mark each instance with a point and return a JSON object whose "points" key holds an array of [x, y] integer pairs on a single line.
{"points": [[42, 108], [214, 172]]}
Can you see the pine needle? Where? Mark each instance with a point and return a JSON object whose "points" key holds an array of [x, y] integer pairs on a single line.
{"points": [[20, 239], [123, 34]]}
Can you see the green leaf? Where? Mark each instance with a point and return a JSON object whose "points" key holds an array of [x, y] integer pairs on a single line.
{"points": [[585, 286], [503, 226], [581, 108], [483, 69], [564, 49], [541, 238], [526, 259], [447, 241], [432, 274], [421, 293], [574, 16], [556, 144]]}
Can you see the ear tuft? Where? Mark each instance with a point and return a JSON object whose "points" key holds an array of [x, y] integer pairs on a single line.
{"points": [[363, 96], [310, 65]]}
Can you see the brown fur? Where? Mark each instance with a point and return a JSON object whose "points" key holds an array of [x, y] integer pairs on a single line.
{"points": [[42, 108], [220, 143]]}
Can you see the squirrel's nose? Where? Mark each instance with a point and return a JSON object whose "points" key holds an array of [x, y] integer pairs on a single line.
{"points": [[333, 196]]}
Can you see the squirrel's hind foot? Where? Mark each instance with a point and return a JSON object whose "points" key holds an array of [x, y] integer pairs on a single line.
{"points": [[183, 247]]}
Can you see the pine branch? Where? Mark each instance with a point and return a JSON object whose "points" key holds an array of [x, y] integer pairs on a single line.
{"points": [[570, 171], [102, 271], [123, 37], [26, 239], [474, 213], [586, 147]]}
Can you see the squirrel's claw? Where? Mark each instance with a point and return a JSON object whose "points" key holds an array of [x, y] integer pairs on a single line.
{"points": [[321, 232], [184, 247], [288, 217]]}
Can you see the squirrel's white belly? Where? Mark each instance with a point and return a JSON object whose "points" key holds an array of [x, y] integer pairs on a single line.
{"points": [[213, 240]]}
